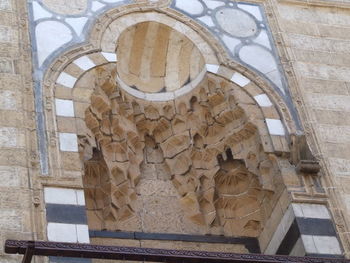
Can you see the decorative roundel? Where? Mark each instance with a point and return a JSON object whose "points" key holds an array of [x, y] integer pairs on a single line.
{"points": [[236, 22]]}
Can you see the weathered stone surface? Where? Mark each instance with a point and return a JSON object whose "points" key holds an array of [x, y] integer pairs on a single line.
{"points": [[6, 66], [66, 7], [147, 163], [5, 5]]}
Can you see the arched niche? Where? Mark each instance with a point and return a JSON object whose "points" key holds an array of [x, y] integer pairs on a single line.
{"points": [[244, 136]]}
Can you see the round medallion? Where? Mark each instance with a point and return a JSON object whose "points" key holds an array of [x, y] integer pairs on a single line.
{"points": [[236, 22]]}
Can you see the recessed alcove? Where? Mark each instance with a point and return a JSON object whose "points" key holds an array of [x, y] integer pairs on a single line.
{"points": [[155, 58]]}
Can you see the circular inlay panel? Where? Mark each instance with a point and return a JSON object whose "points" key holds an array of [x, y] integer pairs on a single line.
{"points": [[66, 7], [236, 22]]}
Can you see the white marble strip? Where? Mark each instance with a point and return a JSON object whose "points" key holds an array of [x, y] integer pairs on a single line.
{"points": [[263, 100], [311, 211], [63, 196], [321, 244], [212, 68], [84, 62], [275, 127], [73, 233], [66, 80], [239, 79], [111, 57], [68, 142], [163, 96], [280, 232], [64, 108]]}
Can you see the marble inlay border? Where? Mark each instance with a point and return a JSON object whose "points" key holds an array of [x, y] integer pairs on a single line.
{"points": [[52, 33]]}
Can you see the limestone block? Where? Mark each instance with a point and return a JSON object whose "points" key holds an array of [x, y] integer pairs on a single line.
{"points": [[156, 188], [9, 137], [66, 125], [11, 218], [5, 5], [66, 7], [6, 34], [12, 176], [337, 134], [71, 161], [162, 215], [8, 100], [341, 167], [6, 66]]}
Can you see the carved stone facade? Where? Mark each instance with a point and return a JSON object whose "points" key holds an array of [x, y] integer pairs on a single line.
{"points": [[149, 124], [203, 143]]}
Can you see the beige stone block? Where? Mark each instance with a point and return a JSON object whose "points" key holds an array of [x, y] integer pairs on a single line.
{"points": [[6, 34], [19, 199], [340, 166], [66, 7], [321, 71], [319, 57], [298, 27], [97, 58], [13, 157], [331, 31], [10, 82], [162, 214], [328, 102], [66, 124], [63, 92], [148, 171], [270, 113], [11, 137], [225, 72], [5, 5], [336, 134], [80, 108], [303, 42], [72, 175], [82, 94], [6, 66], [73, 70], [336, 118], [81, 127], [71, 161], [11, 176], [335, 150], [11, 218], [8, 100], [8, 19], [156, 188], [342, 185], [13, 118]]}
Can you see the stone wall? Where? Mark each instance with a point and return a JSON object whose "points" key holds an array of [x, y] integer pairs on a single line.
{"points": [[313, 40], [317, 40], [17, 127]]}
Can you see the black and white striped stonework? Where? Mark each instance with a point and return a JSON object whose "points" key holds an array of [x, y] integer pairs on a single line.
{"points": [[66, 219], [305, 230]]}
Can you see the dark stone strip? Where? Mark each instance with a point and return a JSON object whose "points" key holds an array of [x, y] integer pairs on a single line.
{"points": [[250, 243], [324, 255], [70, 214], [316, 226], [69, 260], [289, 240]]}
